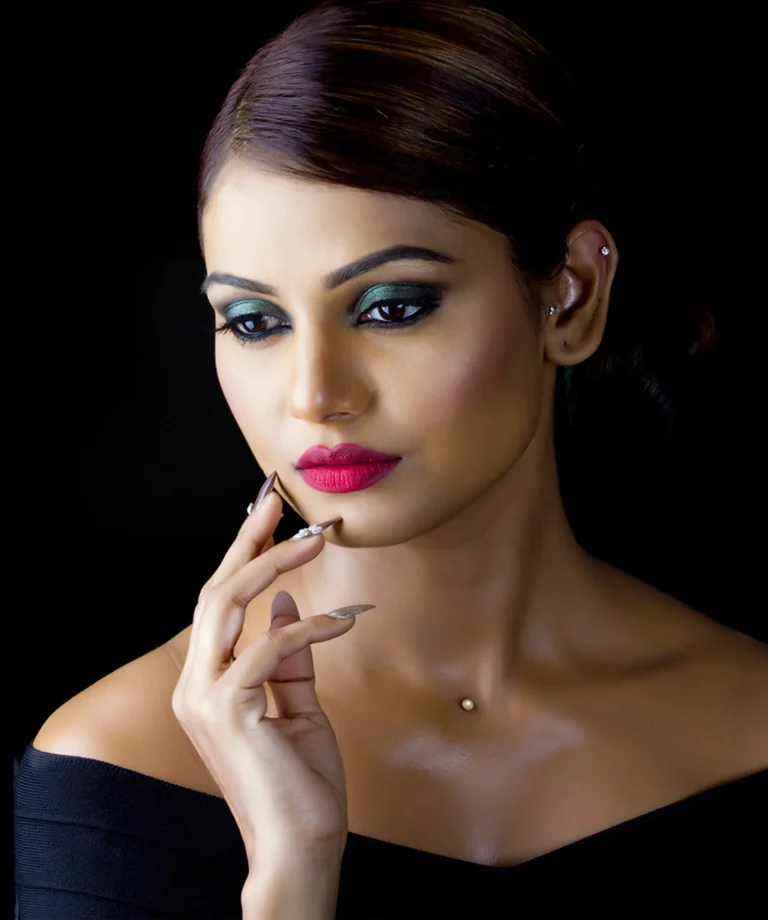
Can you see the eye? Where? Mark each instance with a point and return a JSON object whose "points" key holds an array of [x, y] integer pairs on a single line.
{"points": [[252, 324], [393, 311], [406, 305], [249, 325]]}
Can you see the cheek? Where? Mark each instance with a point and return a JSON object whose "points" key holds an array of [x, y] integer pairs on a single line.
{"points": [[246, 391], [485, 383]]}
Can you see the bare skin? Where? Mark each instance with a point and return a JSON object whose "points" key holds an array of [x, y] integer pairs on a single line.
{"points": [[558, 759], [597, 697]]}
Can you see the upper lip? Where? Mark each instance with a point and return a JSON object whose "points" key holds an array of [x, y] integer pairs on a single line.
{"points": [[341, 455]]}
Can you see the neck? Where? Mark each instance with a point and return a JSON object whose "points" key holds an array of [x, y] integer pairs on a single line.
{"points": [[468, 609]]}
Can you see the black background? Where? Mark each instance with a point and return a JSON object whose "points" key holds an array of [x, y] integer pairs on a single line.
{"points": [[138, 476]]}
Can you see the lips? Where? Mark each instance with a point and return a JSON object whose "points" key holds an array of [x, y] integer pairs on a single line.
{"points": [[353, 478], [341, 455]]}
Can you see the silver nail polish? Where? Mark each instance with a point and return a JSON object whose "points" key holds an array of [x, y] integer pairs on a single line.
{"points": [[344, 613], [314, 529], [263, 492]]}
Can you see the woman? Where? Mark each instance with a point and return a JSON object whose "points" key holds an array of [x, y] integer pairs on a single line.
{"points": [[405, 226]]}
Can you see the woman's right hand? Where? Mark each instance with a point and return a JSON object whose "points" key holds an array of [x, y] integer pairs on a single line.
{"points": [[283, 777]]}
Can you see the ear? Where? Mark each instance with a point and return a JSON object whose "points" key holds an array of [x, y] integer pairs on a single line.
{"points": [[581, 293]]}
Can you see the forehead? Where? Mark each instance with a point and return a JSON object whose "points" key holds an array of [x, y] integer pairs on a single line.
{"points": [[254, 215]]}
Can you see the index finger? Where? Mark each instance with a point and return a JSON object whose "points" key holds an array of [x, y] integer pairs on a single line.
{"points": [[254, 533], [220, 615]]}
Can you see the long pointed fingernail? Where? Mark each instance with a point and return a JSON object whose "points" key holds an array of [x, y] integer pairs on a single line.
{"points": [[314, 529], [344, 613], [263, 492]]}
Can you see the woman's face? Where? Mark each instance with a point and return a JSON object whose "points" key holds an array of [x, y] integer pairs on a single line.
{"points": [[438, 362]]}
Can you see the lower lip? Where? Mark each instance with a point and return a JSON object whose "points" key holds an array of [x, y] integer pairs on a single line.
{"points": [[347, 478]]}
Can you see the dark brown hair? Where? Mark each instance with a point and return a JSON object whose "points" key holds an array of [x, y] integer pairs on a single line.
{"points": [[451, 103]]}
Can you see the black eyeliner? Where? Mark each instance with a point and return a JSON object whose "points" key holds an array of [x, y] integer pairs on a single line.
{"points": [[428, 296]]}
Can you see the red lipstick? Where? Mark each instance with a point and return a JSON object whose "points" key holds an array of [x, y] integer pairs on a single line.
{"points": [[344, 468]]}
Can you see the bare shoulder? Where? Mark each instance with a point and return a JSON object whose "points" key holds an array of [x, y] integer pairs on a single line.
{"points": [[724, 675], [709, 682], [737, 665], [126, 719]]}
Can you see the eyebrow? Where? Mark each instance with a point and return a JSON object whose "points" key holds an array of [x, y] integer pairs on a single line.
{"points": [[339, 275]]}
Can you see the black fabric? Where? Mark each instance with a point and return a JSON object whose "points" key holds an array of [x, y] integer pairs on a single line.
{"points": [[98, 841]]}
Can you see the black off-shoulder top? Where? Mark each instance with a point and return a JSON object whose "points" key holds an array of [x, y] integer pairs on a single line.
{"points": [[94, 840]]}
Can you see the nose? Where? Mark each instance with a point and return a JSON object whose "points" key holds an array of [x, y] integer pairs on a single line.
{"points": [[326, 377]]}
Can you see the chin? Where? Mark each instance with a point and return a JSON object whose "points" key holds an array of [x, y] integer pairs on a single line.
{"points": [[369, 524]]}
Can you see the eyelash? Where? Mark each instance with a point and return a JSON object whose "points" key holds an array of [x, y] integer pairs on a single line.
{"points": [[429, 302]]}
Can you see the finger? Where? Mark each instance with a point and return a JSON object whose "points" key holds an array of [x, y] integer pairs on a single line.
{"points": [[282, 656], [292, 683], [254, 538], [223, 609], [256, 529]]}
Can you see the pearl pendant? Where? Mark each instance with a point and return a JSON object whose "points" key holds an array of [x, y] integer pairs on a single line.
{"points": [[467, 704]]}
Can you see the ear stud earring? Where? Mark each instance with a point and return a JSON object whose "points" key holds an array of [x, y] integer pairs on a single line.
{"points": [[552, 307]]}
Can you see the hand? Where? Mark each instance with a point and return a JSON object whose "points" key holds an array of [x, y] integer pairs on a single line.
{"points": [[283, 778]]}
